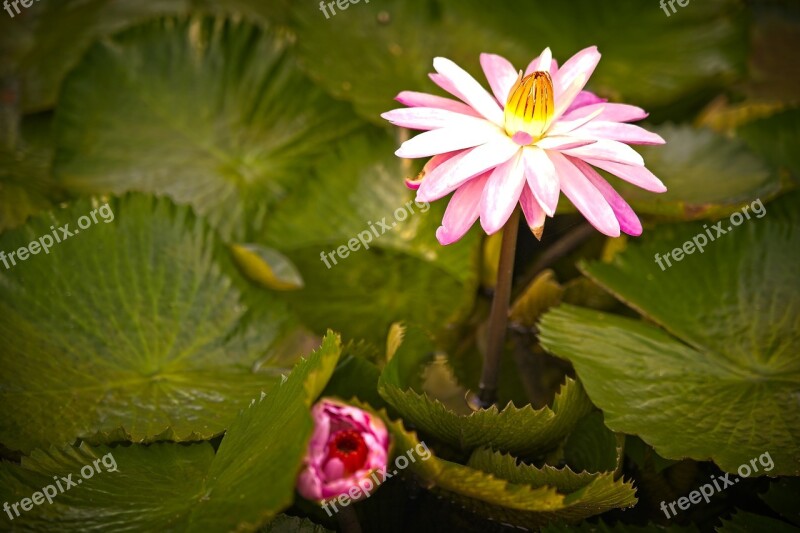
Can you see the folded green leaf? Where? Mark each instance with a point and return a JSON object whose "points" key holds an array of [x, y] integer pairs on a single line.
{"points": [[267, 267], [525, 498], [522, 431]]}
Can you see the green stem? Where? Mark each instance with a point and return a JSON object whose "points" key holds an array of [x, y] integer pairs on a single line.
{"points": [[498, 319], [348, 520]]}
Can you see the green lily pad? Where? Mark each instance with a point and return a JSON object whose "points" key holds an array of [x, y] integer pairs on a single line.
{"points": [[211, 112], [706, 175], [522, 431], [152, 487], [26, 185], [139, 321], [62, 31], [367, 252], [387, 47], [51, 37], [677, 56], [170, 486], [775, 138], [722, 381]]}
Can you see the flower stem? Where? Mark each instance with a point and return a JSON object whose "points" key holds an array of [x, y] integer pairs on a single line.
{"points": [[348, 520], [498, 319]]}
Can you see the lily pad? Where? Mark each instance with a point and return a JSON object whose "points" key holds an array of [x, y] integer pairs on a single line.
{"points": [[26, 185], [706, 175], [170, 486], [211, 112], [387, 47], [721, 380], [139, 321], [367, 252]]}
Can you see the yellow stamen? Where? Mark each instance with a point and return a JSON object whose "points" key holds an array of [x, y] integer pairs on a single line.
{"points": [[530, 105]]}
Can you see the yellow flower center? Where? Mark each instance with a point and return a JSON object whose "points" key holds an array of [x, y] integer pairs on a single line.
{"points": [[530, 105]]}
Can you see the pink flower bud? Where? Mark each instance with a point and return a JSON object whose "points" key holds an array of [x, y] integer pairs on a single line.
{"points": [[347, 446]]}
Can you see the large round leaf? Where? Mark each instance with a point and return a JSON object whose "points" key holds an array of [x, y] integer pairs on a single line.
{"points": [[776, 138], [60, 32], [177, 487], [723, 383], [391, 267], [384, 48], [139, 320], [706, 175], [26, 185], [211, 112]]}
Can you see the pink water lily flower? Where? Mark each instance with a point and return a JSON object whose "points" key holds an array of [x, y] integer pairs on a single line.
{"points": [[540, 134], [347, 446]]}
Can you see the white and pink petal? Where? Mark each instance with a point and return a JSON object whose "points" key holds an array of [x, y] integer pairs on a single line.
{"points": [[462, 210], [452, 173], [501, 194], [585, 196], [430, 166], [572, 77], [471, 91], [611, 112], [415, 99], [606, 150], [584, 98], [534, 214], [449, 139], [429, 118], [500, 74], [542, 178], [544, 62], [628, 221], [637, 175], [617, 131]]}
